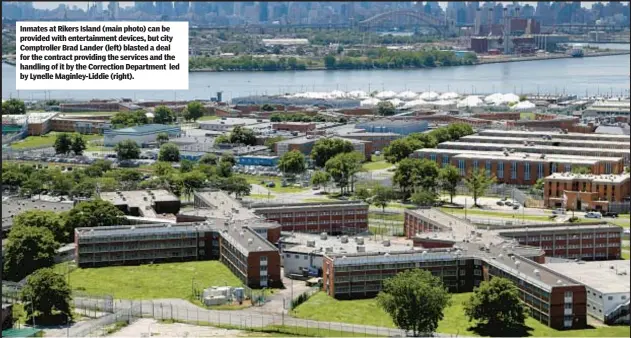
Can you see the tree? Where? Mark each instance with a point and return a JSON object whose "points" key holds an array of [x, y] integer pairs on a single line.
{"points": [[63, 143], [127, 150], [424, 197], [224, 169], [581, 170], [326, 148], [400, 149], [271, 142], [449, 179], [426, 140], [28, 249], [478, 183], [385, 108], [329, 62], [169, 152], [320, 178], [162, 168], [163, 115], [98, 167], [192, 181], [78, 144], [162, 138], [496, 305], [404, 175], [46, 297], [186, 166], [415, 300], [13, 107], [194, 110], [44, 219], [241, 135], [440, 134], [292, 162], [458, 130], [96, 213], [382, 196], [363, 194], [237, 185], [343, 167], [208, 158], [267, 107]]}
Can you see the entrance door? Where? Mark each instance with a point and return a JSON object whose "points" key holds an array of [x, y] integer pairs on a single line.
{"points": [[579, 205]]}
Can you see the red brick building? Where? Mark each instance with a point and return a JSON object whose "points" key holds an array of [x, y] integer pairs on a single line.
{"points": [[301, 127], [585, 192]]}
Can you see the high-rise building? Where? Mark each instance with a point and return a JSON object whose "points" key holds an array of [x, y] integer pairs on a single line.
{"points": [[263, 11], [181, 8]]}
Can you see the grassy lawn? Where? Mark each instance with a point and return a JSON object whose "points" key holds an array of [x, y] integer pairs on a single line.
{"points": [[387, 217], [372, 166], [169, 280], [527, 116], [46, 140], [318, 199], [261, 196], [208, 118], [625, 255], [277, 180], [368, 312], [476, 212], [624, 216], [623, 222]]}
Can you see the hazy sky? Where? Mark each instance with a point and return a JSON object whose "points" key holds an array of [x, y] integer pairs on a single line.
{"points": [[83, 4]]}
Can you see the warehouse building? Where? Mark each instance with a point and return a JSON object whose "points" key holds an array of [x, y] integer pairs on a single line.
{"points": [[346, 217], [378, 140], [607, 285], [12, 207], [305, 145], [394, 126], [245, 252], [586, 191], [227, 123], [143, 203], [518, 168], [142, 135], [301, 127]]}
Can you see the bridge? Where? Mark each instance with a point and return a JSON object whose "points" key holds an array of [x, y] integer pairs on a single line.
{"points": [[408, 19], [584, 28]]}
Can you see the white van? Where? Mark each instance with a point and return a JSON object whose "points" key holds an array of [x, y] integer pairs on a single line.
{"points": [[593, 214]]}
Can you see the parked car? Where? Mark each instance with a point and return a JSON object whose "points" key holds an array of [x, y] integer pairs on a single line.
{"points": [[558, 211], [500, 203], [610, 214], [508, 203], [593, 214], [516, 206]]}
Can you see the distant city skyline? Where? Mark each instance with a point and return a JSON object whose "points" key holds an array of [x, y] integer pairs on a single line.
{"points": [[84, 4]]}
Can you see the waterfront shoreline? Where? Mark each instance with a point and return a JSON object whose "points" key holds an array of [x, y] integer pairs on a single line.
{"points": [[482, 61]]}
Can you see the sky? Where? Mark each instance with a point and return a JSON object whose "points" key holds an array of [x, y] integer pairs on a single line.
{"points": [[83, 4]]}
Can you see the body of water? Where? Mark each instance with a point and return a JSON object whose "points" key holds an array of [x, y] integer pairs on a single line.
{"points": [[592, 75]]}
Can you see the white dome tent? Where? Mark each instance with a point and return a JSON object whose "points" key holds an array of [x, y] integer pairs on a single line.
{"points": [[396, 102], [470, 101], [414, 104], [407, 95], [388, 94], [369, 102], [449, 96], [524, 105], [428, 96]]}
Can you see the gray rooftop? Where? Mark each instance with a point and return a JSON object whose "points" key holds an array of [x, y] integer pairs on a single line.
{"points": [[604, 276], [563, 158], [538, 148], [519, 140], [246, 240], [321, 244], [13, 207], [141, 199], [606, 178], [578, 136], [220, 205]]}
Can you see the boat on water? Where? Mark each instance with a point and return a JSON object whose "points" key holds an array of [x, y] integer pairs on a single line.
{"points": [[577, 51]]}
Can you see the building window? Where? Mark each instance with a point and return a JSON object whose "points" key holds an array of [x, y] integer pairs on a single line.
{"points": [[475, 166], [500, 169], [568, 168], [432, 157], [461, 167], [540, 170], [445, 160], [488, 168], [568, 294], [513, 170], [554, 167], [607, 168], [527, 171]]}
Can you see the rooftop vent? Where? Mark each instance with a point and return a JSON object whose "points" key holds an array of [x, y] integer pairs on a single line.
{"points": [[311, 244], [536, 272], [361, 248], [386, 242], [323, 236], [328, 249], [359, 240], [250, 241], [344, 239]]}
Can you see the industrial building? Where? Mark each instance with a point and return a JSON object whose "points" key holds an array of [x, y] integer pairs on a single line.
{"points": [[227, 123], [266, 161], [607, 285], [609, 108], [12, 207], [378, 140], [394, 126], [142, 135], [245, 252], [553, 141], [555, 135], [518, 168], [586, 191], [346, 217], [143, 203], [301, 127]]}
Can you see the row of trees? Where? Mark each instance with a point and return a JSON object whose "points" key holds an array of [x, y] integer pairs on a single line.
{"points": [[238, 135], [404, 147], [416, 301], [296, 117], [13, 107], [383, 58], [162, 114], [247, 63]]}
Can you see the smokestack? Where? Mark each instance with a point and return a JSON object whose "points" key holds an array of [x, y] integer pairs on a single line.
{"points": [[478, 22]]}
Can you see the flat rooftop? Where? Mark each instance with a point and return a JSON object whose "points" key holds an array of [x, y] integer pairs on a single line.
{"points": [[560, 227], [368, 134], [321, 244], [535, 148], [517, 155], [606, 178], [126, 231], [232, 121], [13, 207], [604, 276], [579, 136], [246, 240], [539, 140], [141, 199], [220, 205], [147, 128], [263, 206]]}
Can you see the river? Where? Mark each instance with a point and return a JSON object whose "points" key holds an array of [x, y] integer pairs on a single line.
{"points": [[591, 75]]}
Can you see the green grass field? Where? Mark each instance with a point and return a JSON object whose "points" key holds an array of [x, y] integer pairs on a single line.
{"points": [[368, 312], [625, 255], [277, 180], [208, 118], [387, 217], [623, 222], [379, 165], [476, 212], [261, 196], [46, 140], [169, 280]]}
